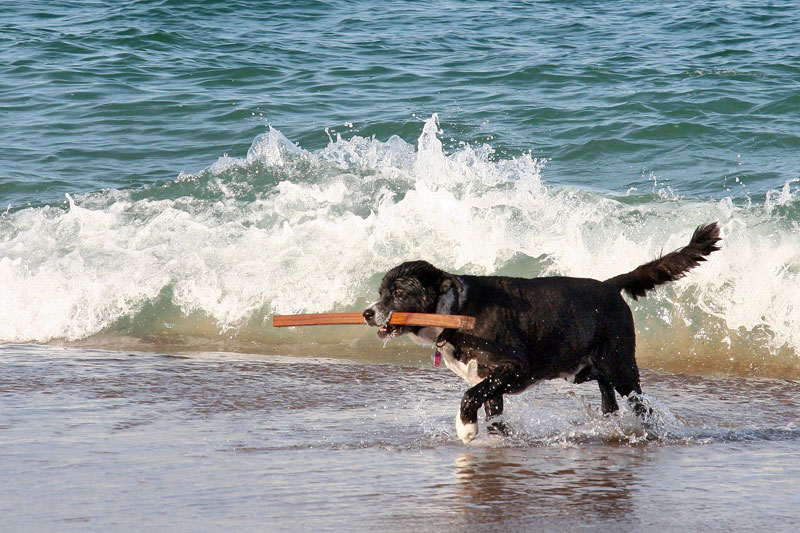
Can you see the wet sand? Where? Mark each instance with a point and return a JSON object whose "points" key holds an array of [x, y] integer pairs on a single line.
{"points": [[97, 439]]}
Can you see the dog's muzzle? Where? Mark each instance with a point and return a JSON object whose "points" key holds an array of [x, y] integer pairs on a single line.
{"points": [[381, 320]]}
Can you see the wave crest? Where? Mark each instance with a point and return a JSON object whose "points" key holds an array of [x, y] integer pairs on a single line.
{"points": [[286, 230]]}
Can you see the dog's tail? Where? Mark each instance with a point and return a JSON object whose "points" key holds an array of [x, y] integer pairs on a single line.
{"points": [[669, 267]]}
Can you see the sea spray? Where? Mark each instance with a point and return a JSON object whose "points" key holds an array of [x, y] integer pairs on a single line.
{"points": [[214, 253]]}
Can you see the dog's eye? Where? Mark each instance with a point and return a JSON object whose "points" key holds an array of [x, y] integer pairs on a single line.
{"points": [[397, 292]]}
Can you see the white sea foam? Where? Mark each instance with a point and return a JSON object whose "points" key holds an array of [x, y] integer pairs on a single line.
{"points": [[285, 230]]}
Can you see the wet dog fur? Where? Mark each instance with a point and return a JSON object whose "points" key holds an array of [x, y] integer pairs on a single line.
{"points": [[527, 330]]}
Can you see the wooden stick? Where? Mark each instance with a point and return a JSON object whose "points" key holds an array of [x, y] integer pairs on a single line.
{"points": [[398, 319]]}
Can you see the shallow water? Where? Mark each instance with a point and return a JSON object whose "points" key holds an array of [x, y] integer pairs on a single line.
{"points": [[127, 440]]}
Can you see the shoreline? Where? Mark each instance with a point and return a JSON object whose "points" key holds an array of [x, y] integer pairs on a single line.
{"points": [[672, 358]]}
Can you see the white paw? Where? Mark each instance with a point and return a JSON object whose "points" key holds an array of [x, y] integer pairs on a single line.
{"points": [[465, 432]]}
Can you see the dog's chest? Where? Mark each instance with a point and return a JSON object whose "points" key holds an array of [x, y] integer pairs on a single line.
{"points": [[467, 371]]}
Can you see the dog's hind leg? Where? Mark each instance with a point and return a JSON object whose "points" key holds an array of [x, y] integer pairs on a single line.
{"points": [[495, 385], [628, 387], [606, 389], [615, 368], [609, 404]]}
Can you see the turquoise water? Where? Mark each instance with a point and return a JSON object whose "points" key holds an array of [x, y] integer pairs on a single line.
{"points": [[174, 173], [125, 95]]}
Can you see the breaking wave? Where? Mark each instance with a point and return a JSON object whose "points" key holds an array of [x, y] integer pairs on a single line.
{"points": [[210, 256]]}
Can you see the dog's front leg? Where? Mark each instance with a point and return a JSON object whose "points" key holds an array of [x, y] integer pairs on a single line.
{"points": [[494, 409], [494, 386]]}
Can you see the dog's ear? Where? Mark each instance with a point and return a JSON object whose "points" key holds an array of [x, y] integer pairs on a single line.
{"points": [[448, 283]]}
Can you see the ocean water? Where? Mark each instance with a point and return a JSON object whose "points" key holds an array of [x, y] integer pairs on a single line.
{"points": [[172, 174]]}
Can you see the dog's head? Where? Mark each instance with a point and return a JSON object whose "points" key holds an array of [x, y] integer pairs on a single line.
{"points": [[413, 287]]}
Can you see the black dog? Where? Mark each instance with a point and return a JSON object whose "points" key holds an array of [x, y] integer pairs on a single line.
{"points": [[528, 330]]}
